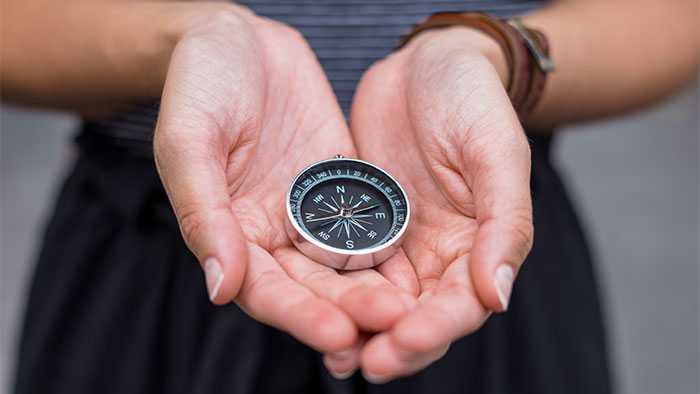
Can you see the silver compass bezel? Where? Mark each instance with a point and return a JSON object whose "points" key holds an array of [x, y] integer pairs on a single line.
{"points": [[342, 258]]}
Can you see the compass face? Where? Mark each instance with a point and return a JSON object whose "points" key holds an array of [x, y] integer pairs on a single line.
{"points": [[348, 206]]}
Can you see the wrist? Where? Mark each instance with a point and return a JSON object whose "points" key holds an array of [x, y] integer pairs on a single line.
{"points": [[465, 39], [141, 51], [525, 50]]}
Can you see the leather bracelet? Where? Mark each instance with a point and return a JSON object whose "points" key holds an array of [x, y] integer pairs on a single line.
{"points": [[526, 51]]}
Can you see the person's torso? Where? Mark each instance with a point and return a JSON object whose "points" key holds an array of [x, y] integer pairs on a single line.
{"points": [[348, 36]]}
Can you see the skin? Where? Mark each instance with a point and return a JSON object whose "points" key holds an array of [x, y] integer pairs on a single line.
{"points": [[458, 149], [227, 124], [247, 121], [627, 55]]}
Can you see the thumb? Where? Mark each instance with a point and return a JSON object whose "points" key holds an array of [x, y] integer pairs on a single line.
{"points": [[192, 167], [501, 187]]}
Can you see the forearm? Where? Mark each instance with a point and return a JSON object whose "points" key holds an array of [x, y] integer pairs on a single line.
{"points": [[91, 55], [614, 56]]}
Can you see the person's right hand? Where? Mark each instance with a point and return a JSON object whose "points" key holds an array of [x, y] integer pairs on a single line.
{"points": [[436, 115], [245, 107]]}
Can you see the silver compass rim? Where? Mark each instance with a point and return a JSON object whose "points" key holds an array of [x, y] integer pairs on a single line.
{"points": [[366, 251]]}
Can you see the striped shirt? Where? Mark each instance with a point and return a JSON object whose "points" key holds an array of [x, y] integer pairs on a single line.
{"points": [[347, 36]]}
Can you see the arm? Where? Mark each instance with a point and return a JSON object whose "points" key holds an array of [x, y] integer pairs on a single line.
{"points": [[234, 128], [614, 56], [439, 107], [91, 55]]}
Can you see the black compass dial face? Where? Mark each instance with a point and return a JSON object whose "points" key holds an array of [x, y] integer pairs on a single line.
{"points": [[348, 205]]}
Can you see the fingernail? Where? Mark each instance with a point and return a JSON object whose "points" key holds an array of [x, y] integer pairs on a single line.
{"points": [[340, 359], [214, 276], [504, 284], [341, 375], [374, 379]]}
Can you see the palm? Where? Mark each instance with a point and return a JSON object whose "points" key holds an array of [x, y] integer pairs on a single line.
{"points": [[443, 224], [437, 117], [291, 138], [238, 128]]}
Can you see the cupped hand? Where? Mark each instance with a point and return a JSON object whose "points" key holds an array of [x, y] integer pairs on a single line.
{"points": [[435, 114], [245, 107]]}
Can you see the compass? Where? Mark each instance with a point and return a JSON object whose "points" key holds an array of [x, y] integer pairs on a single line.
{"points": [[347, 213]]}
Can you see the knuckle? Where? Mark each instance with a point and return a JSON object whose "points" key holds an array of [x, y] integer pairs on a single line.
{"points": [[192, 223], [523, 234], [194, 219]]}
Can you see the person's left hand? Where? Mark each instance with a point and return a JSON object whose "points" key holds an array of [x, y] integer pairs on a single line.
{"points": [[436, 116], [245, 107]]}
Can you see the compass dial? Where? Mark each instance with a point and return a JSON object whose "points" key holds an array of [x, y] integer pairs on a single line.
{"points": [[348, 206]]}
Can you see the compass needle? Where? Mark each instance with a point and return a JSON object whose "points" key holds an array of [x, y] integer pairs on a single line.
{"points": [[323, 218], [340, 229], [368, 208], [335, 202], [337, 223], [357, 224], [334, 209], [355, 230], [346, 223]]}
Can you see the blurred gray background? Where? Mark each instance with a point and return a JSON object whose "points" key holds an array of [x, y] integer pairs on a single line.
{"points": [[635, 180]]}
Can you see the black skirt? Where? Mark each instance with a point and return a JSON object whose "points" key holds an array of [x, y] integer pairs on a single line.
{"points": [[118, 305]]}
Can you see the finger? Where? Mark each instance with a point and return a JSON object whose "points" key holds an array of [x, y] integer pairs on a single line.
{"points": [[501, 185], [343, 364], [443, 315], [383, 361], [399, 271], [192, 169], [367, 297], [376, 304], [271, 296], [376, 308]]}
